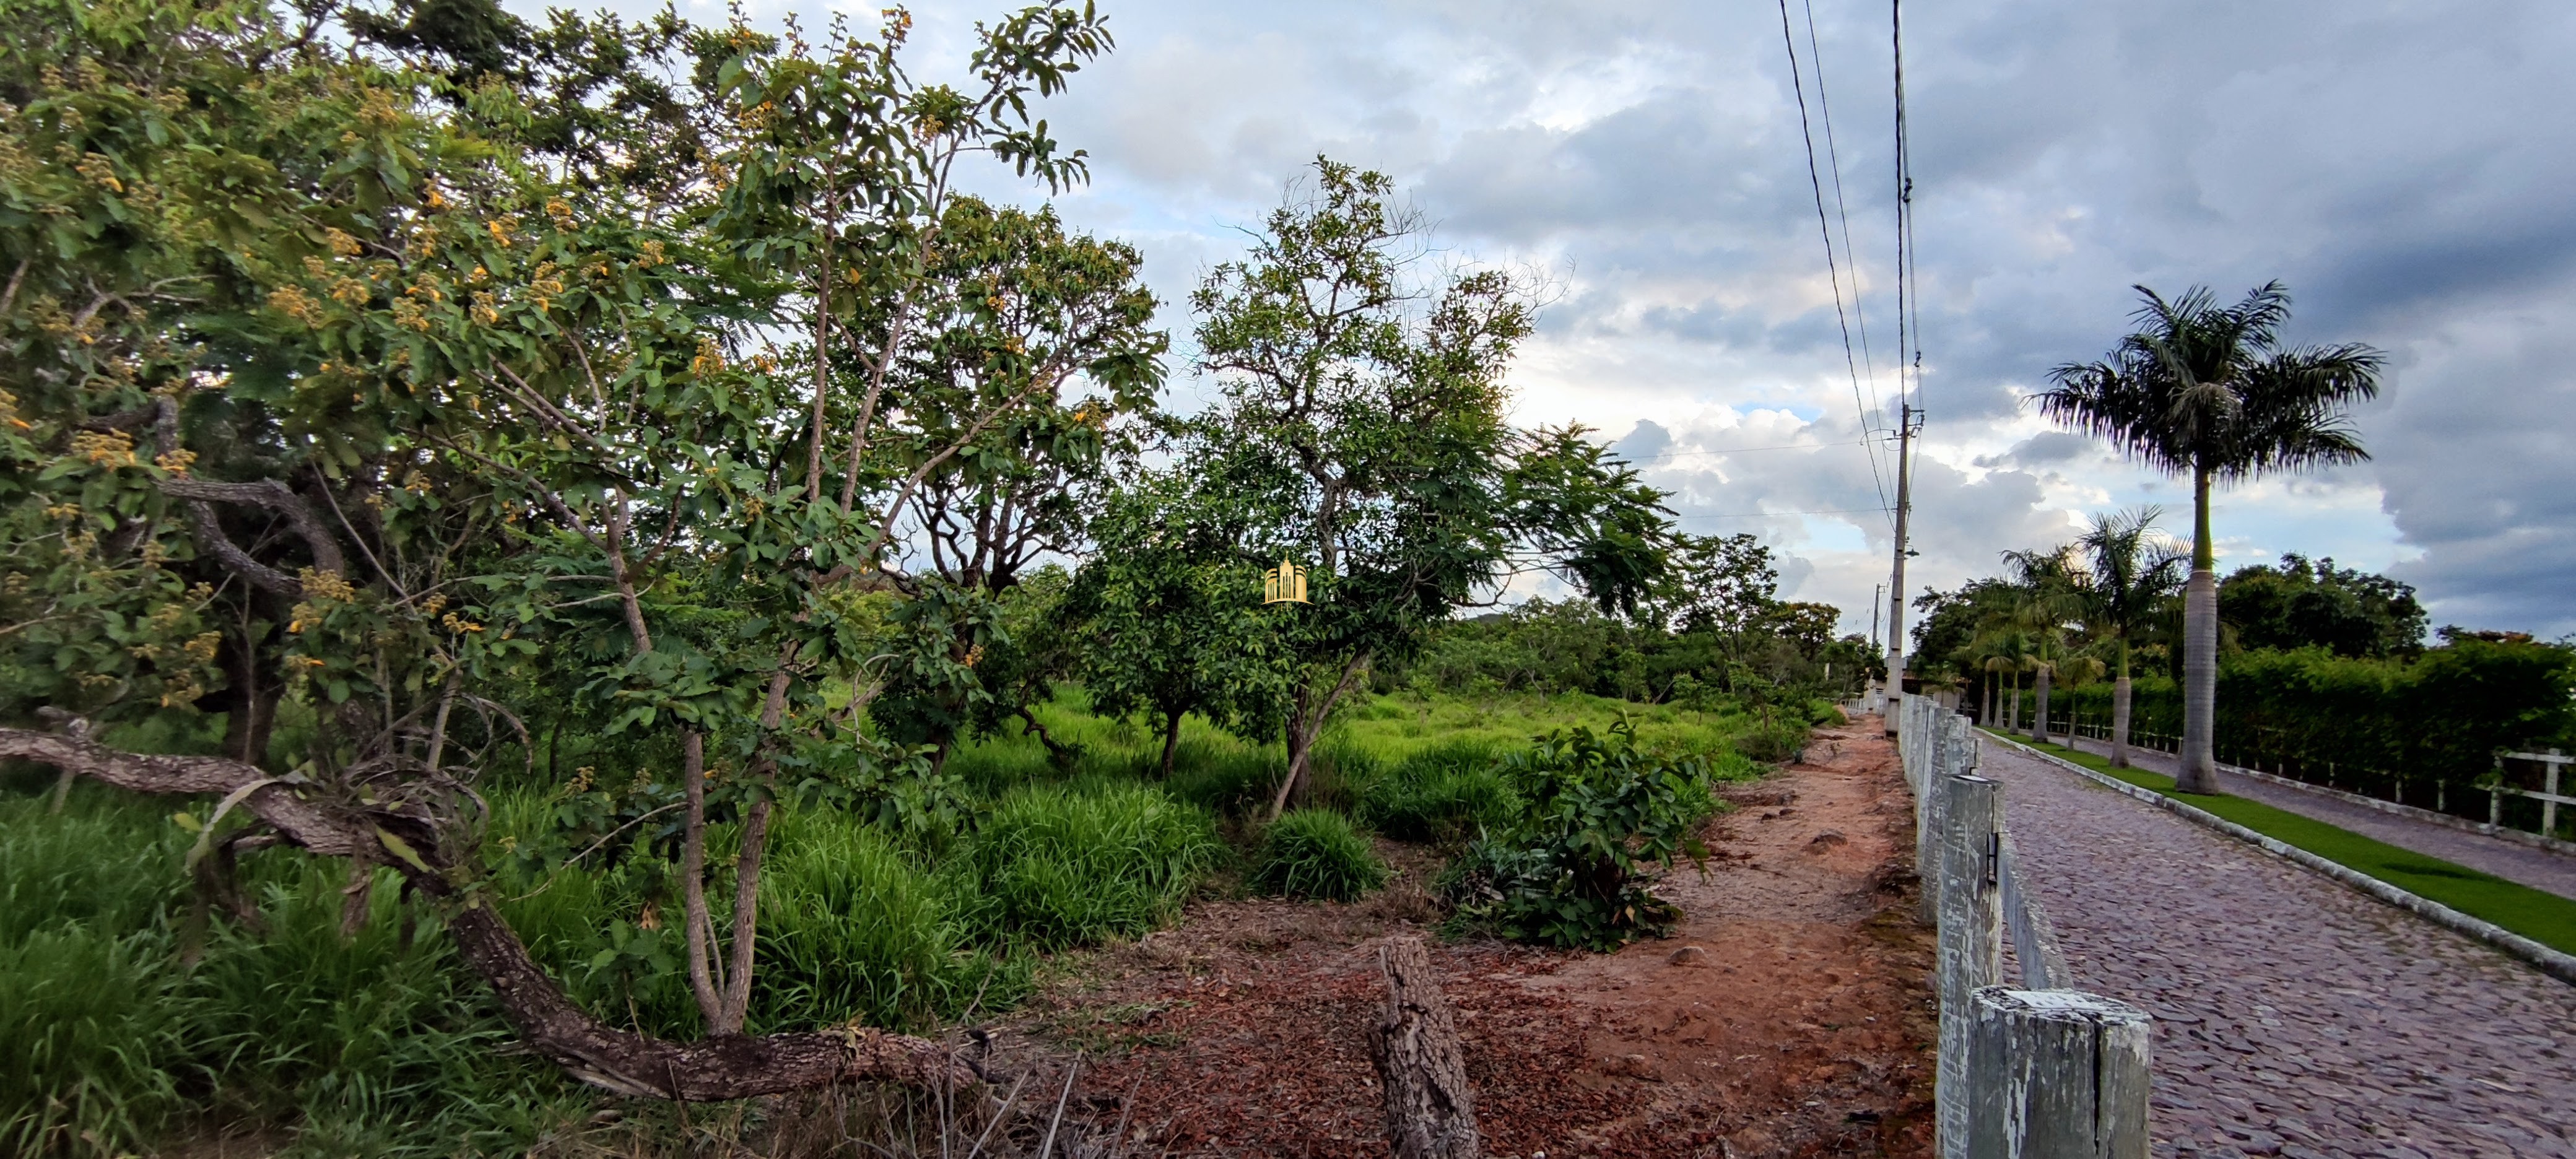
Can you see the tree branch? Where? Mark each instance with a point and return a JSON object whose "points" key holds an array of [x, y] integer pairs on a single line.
{"points": [[722, 1067]]}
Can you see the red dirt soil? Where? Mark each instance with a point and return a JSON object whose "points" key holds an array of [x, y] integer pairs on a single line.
{"points": [[1801, 1027]]}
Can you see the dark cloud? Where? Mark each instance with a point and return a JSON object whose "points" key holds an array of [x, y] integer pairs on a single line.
{"points": [[2042, 450]]}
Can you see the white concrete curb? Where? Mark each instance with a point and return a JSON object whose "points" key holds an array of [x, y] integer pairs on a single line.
{"points": [[2549, 961]]}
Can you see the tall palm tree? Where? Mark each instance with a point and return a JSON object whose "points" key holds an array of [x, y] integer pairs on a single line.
{"points": [[2210, 392], [2132, 571]]}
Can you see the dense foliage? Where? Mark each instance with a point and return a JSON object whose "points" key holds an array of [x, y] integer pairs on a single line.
{"points": [[1596, 812], [2438, 716], [2314, 604]]}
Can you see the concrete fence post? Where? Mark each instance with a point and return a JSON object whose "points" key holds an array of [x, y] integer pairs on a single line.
{"points": [[1970, 952], [2054, 1074]]}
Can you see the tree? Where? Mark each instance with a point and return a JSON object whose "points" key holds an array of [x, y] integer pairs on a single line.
{"points": [[2303, 604], [1169, 612], [1361, 420], [2129, 575], [2212, 393], [339, 392]]}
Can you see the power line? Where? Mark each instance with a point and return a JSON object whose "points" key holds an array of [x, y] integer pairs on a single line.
{"points": [[1842, 207], [1825, 230]]}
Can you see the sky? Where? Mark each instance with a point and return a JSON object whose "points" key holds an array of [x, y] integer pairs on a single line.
{"points": [[2404, 167]]}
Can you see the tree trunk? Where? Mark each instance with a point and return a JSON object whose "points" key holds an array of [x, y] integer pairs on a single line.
{"points": [[1989, 719], [2039, 710], [1422, 1070], [2012, 718], [2120, 717], [1305, 723], [2197, 771], [2195, 767], [1171, 739]]}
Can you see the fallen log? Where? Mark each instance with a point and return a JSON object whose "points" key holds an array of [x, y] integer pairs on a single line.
{"points": [[1421, 1068]]}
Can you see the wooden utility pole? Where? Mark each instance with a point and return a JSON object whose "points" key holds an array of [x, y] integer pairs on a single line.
{"points": [[1896, 581]]}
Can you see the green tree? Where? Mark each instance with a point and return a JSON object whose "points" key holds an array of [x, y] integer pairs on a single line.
{"points": [[1169, 612], [334, 386], [1361, 418], [2212, 393], [2303, 603]]}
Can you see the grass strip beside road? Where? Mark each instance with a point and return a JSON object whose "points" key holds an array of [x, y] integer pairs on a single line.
{"points": [[2543, 917]]}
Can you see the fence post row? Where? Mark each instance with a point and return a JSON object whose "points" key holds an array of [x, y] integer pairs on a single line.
{"points": [[2034, 1070]]}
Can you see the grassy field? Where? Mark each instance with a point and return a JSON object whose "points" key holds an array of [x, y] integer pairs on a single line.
{"points": [[2543, 917], [127, 1021]]}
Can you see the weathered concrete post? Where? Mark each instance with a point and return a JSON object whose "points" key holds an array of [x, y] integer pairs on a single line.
{"points": [[2055, 1074], [1971, 938], [1928, 772]]}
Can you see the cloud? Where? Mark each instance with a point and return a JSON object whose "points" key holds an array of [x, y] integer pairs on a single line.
{"points": [[2397, 164]]}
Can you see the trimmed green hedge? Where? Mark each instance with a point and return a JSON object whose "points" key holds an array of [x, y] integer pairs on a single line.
{"points": [[2438, 717]]}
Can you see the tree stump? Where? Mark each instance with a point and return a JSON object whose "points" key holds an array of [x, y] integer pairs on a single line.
{"points": [[1430, 1110]]}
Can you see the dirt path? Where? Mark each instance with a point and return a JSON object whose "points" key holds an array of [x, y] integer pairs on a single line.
{"points": [[1800, 1027]]}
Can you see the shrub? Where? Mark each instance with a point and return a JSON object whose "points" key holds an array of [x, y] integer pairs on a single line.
{"points": [[1058, 866], [1314, 853], [1441, 793], [1772, 741], [1572, 868]]}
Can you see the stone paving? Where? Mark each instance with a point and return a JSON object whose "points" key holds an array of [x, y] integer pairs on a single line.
{"points": [[2294, 1017], [2530, 865]]}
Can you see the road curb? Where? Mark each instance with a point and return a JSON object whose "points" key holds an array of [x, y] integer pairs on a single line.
{"points": [[2548, 961]]}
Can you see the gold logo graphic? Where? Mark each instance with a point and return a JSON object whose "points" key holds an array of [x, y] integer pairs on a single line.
{"points": [[1284, 584]]}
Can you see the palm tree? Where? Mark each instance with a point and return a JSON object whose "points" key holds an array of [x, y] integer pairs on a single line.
{"points": [[2131, 572], [2006, 648], [2051, 595], [2210, 392]]}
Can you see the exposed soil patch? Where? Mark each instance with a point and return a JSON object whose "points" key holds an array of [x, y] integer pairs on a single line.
{"points": [[1787, 1016]]}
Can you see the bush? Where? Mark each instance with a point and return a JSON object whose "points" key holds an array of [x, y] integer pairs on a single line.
{"points": [[1572, 868], [1772, 741], [1315, 853], [1441, 793], [1057, 866]]}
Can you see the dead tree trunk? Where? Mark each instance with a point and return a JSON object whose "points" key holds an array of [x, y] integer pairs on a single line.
{"points": [[1430, 1110]]}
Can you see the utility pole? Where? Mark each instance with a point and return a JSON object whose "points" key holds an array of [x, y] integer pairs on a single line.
{"points": [[1896, 581], [1877, 592]]}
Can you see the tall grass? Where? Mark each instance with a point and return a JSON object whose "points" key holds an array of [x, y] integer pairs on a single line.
{"points": [[1442, 792], [1063, 865], [852, 929], [367, 1045], [1314, 853]]}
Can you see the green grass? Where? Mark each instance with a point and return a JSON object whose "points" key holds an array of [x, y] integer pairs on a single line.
{"points": [[1315, 853], [382, 1043], [2541, 916], [1067, 865]]}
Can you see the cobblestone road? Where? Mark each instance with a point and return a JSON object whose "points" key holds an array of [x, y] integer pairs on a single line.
{"points": [[2511, 860], [2293, 1016]]}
